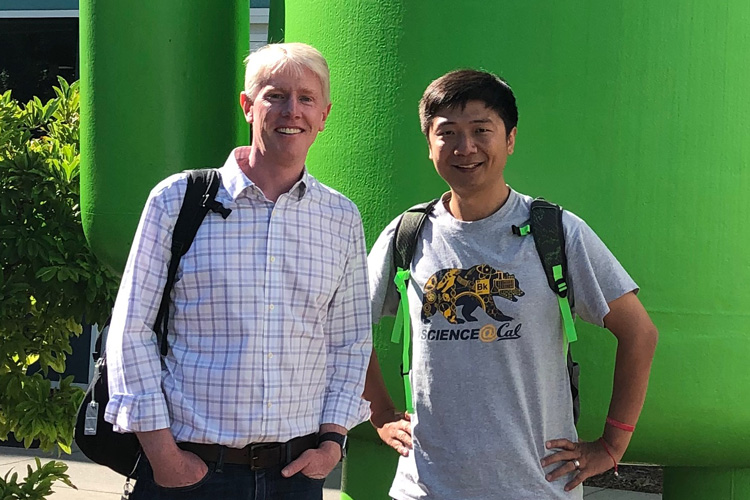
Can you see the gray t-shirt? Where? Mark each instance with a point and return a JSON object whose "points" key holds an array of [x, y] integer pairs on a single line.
{"points": [[489, 376]]}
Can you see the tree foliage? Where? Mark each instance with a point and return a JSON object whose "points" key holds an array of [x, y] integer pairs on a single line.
{"points": [[50, 280]]}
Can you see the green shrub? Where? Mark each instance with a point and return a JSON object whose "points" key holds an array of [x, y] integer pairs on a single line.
{"points": [[50, 280], [38, 483]]}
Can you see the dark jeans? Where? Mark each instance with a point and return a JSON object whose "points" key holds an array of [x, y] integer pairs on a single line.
{"points": [[232, 482]]}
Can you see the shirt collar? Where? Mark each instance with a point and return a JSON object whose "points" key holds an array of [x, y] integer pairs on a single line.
{"points": [[236, 182]]}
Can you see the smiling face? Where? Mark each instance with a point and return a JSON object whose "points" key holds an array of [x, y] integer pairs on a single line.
{"points": [[287, 113], [469, 147]]}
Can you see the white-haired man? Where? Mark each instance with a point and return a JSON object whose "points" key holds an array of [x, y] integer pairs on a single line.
{"points": [[270, 321]]}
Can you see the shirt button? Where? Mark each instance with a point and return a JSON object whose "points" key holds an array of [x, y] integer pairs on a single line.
{"points": [[270, 355], [269, 404], [273, 259], [270, 307]]}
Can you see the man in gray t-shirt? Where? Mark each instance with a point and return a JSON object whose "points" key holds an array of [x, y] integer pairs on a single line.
{"points": [[492, 404]]}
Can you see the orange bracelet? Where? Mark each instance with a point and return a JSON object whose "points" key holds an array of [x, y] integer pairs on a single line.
{"points": [[606, 448], [616, 423]]}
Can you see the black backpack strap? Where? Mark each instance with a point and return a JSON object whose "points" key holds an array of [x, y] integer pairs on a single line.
{"points": [[574, 373], [200, 197], [407, 233], [97, 352], [546, 225], [549, 237]]}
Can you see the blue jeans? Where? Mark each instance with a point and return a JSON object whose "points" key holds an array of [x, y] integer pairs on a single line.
{"points": [[231, 482]]}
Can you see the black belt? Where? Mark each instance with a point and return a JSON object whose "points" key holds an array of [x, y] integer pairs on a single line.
{"points": [[255, 455]]}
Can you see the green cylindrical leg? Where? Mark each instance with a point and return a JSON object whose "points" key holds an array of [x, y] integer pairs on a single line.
{"points": [[276, 21], [364, 451], [371, 464], [706, 483], [160, 85]]}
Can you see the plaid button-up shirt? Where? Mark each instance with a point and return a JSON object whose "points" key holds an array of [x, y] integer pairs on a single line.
{"points": [[269, 332]]}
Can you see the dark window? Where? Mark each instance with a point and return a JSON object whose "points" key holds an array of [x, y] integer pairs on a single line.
{"points": [[34, 51]]}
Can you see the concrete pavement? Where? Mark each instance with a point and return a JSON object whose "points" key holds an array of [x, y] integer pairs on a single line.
{"points": [[99, 483]]}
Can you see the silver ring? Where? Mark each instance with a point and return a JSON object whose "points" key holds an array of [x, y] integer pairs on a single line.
{"points": [[577, 464]]}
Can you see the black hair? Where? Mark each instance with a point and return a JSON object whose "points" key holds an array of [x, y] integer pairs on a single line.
{"points": [[457, 88]]}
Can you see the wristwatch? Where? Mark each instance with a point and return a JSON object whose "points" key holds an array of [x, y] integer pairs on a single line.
{"points": [[336, 437]]}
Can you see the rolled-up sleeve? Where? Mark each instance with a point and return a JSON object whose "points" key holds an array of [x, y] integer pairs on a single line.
{"points": [[348, 333], [137, 402]]}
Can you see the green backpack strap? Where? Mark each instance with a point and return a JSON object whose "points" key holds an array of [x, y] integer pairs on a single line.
{"points": [[404, 244]]}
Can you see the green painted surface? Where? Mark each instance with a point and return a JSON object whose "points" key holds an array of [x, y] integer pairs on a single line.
{"points": [[694, 483], [159, 94], [376, 477], [276, 13], [633, 115]]}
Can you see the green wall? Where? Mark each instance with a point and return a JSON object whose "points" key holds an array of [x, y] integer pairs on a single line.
{"points": [[634, 115]]}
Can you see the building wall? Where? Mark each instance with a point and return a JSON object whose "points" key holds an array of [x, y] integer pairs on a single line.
{"points": [[38, 8], [258, 25]]}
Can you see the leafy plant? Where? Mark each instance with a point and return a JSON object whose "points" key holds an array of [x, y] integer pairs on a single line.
{"points": [[50, 280], [38, 483]]}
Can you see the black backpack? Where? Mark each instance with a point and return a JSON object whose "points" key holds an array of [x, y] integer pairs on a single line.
{"points": [[94, 435], [544, 223]]}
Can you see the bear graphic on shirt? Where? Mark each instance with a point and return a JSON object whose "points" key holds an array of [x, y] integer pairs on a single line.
{"points": [[449, 289]]}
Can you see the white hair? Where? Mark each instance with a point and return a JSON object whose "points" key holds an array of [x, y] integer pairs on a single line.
{"points": [[269, 59]]}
